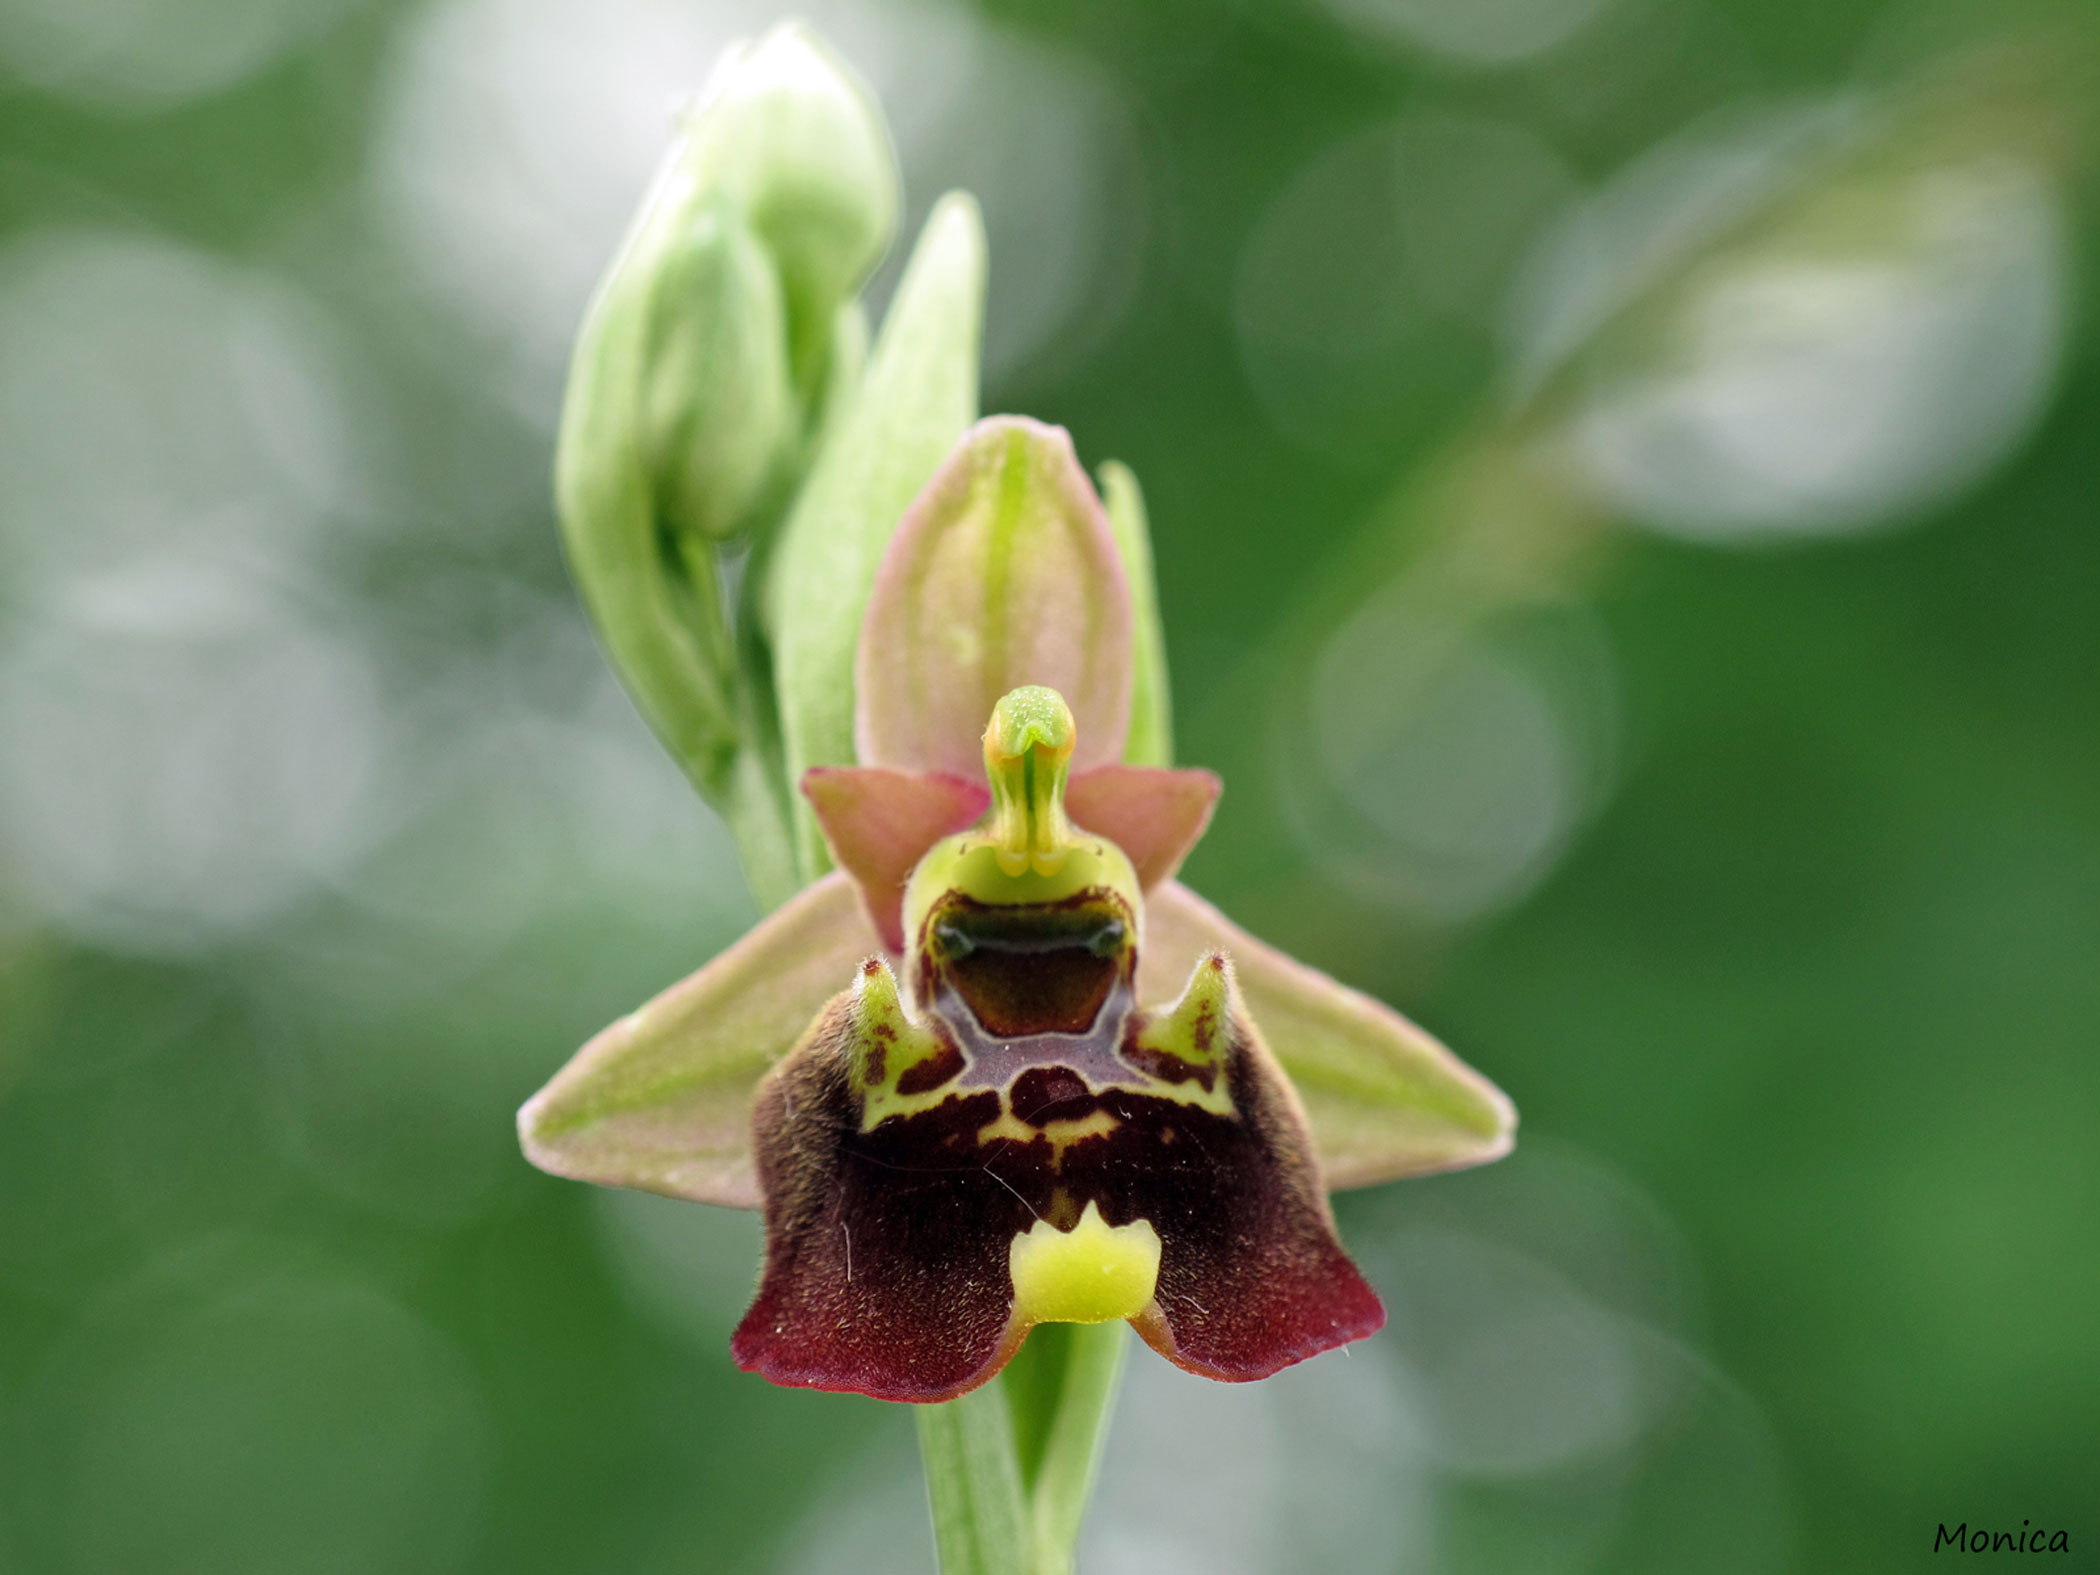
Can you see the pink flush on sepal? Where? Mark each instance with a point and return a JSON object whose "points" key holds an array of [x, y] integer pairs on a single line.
{"points": [[1004, 572], [879, 824]]}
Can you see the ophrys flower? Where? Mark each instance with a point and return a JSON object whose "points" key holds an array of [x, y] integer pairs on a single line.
{"points": [[1001, 1068]]}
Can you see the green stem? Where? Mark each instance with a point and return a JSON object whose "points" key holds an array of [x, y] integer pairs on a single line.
{"points": [[973, 1484], [1010, 1467], [751, 803], [1062, 1482]]}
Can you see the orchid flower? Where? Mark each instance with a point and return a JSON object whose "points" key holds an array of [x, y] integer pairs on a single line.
{"points": [[1000, 1068], [986, 1065]]}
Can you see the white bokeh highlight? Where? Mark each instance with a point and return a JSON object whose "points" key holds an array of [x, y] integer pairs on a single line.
{"points": [[1440, 770], [1773, 336], [186, 753], [1822, 393], [156, 399]]}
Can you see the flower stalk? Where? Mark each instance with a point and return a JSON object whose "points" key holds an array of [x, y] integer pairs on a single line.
{"points": [[1010, 1468]]}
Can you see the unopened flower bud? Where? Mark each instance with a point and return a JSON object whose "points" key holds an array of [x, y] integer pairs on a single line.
{"points": [[798, 143], [721, 425], [721, 342]]}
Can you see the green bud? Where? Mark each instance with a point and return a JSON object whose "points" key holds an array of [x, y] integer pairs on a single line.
{"points": [[718, 355], [618, 481], [720, 422], [798, 142]]}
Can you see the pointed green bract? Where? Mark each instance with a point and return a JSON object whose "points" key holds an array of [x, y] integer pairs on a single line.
{"points": [[1151, 739], [916, 399], [1382, 1098], [661, 1100]]}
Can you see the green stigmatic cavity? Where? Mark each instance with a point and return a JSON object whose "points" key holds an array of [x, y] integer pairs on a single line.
{"points": [[1027, 852]]}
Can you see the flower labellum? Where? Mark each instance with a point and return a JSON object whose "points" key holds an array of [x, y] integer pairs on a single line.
{"points": [[1030, 1146]]}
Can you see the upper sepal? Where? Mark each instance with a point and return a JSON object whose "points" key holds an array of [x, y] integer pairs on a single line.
{"points": [[1382, 1097], [1003, 573]]}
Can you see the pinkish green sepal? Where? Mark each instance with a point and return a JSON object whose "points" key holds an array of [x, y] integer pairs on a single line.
{"points": [[1154, 816], [1004, 573], [879, 823], [661, 1100]]}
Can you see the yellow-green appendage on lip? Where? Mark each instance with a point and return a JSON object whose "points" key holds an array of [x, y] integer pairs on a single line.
{"points": [[1094, 1273]]}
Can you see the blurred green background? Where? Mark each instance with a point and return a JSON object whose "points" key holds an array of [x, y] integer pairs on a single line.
{"points": [[1624, 480]]}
